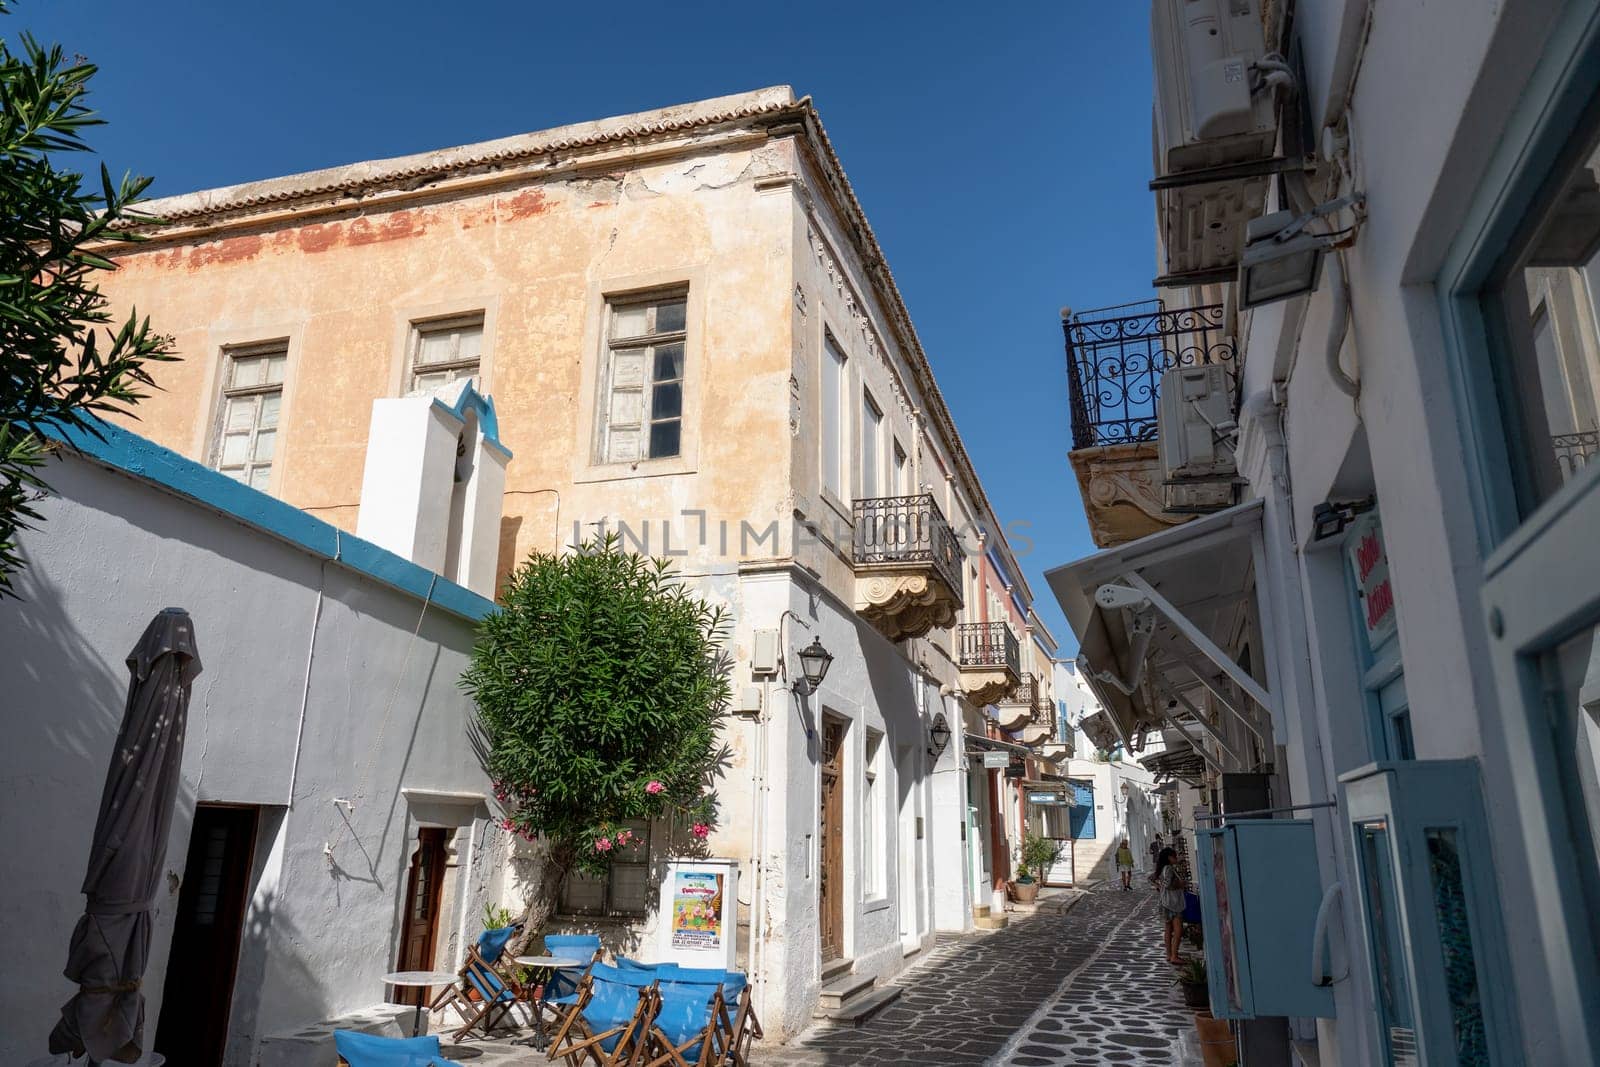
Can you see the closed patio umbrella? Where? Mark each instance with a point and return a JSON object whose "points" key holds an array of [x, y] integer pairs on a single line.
{"points": [[111, 943]]}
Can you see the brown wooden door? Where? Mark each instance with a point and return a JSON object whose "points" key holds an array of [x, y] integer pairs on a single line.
{"points": [[198, 991], [419, 933], [830, 890]]}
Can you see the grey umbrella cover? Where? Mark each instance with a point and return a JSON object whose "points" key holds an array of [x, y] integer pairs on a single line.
{"points": [[111, 944]]}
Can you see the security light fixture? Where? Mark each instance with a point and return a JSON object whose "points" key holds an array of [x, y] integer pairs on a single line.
{"points": [[1282, 258], [1331, 517], [814, 663], [938, 735]]}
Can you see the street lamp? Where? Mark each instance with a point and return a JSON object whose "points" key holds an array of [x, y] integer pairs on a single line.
{"points": [[814, 663], [938, 735]]}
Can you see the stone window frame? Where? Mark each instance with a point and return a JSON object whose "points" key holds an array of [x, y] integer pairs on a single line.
{"points": [[602, 293], [456, 305], [419, 328], [227, 392]]}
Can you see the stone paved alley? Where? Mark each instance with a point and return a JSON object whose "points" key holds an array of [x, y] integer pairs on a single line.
{"points": [[1084, 986]]}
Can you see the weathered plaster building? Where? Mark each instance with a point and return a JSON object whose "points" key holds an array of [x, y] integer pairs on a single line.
{"points": [[691, 338]]}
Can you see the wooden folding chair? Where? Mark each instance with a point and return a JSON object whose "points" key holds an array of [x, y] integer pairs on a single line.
{"points": [[606, 1022], [487, 953], [744, 1029], [689, 1026]]}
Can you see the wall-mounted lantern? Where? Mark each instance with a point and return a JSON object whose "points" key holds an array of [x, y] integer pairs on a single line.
{"points": [[938, 735], [814, 663]]}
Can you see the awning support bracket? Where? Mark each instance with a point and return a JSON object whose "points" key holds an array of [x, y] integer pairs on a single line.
{"points": [[1198, 638]]}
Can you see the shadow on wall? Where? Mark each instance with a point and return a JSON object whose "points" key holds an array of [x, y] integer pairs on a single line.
{"points": [[268, 951]]}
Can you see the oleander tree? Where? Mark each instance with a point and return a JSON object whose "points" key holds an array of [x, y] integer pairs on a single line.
{"points": [[600, 682], [61, 355]]}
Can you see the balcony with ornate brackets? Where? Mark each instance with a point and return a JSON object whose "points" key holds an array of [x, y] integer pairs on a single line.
{"points": [[1055, 750], [1115, 361], [990, 661], [908, 565], [1017, 709]]}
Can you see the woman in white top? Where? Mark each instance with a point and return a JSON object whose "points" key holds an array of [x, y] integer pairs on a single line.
{"points": [[1169, 883]]}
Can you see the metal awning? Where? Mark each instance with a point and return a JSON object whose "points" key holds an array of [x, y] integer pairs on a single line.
{"points": [[1183, 763], [980, 743], [1152, 617]]}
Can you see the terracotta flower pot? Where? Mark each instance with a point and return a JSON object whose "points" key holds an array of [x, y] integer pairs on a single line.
{"points": [[1217, 1047], [1024, 892]]}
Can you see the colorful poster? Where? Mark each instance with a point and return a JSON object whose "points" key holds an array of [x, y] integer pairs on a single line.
{"points": [[697, 911]]}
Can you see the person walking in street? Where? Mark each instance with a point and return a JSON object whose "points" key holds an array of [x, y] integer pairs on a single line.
{"points": [[1125, 864], [1155, 852], [1169, 883]]}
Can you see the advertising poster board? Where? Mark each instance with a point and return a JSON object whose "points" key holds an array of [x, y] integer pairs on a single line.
{"points": [[698, 919]]}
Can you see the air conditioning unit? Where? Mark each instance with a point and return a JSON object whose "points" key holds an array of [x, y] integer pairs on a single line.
{"points": [[1211, 110], [1194, 434]]}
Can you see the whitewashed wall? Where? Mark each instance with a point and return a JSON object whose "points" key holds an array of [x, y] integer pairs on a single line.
{"points": [[115, 549]]}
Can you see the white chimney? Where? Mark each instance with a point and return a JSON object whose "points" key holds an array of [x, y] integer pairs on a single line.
{"points": [[435, 481]]}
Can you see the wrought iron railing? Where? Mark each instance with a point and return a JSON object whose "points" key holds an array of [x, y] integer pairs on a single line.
{"points": [[1025, 694], [988, 644], [907, 529], [1116, 357], [1575, 450]]}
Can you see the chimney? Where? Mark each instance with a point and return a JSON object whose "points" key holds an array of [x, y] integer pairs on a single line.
{"points": [[434, 483]]}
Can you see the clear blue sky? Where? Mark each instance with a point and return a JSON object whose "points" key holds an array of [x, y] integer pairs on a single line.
{"points": [[1001, 149]]}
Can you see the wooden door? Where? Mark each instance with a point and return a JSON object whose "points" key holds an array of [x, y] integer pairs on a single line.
{"points": [[830, 891], [419, 932], [198, 991]]}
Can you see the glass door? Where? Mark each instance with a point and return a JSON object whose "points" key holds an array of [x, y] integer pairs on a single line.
{"points": [[1391, 973]]}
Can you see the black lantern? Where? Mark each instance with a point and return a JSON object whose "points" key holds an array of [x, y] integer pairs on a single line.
{"points": [[938, 735], [814, 663]]}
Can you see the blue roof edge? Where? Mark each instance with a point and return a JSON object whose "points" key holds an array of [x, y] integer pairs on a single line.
{"points": [[488, 421], [141, 457]]}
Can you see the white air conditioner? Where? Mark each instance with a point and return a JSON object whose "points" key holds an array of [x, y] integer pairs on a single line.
{"points": [[1211, 110], [1194, 434]]}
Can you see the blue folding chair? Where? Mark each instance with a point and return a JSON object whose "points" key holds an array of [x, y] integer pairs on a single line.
{"points": [[734, 1015], [607, 1019], [562, 988], [485, 954], [369, 1050], [688, 1026]]}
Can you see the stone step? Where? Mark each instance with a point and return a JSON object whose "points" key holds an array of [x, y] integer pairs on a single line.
{"points": [[834, 968], [991, 922], [980, 911], [859, 1009], [840, 990]]}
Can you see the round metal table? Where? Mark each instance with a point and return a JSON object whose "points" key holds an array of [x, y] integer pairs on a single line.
{"points": [[421, 980], [547, 966]]}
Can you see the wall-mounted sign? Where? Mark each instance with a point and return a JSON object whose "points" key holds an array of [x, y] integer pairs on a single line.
{"points": [[1369, 564], [1047, 798], [1019, 771], [997, 759]]}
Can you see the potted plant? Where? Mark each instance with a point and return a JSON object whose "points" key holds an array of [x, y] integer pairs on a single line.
{"points": [[1023, 888], [1217, 1046], [1192, 978]]}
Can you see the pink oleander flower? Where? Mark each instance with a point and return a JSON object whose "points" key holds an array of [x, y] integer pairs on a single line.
{"points": [[505, 824], [624, 836], [653, 787], [700, 829], [603, 844]]}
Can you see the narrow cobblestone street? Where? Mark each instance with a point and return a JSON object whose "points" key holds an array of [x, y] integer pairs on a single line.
{"points": [[1083, 987]]}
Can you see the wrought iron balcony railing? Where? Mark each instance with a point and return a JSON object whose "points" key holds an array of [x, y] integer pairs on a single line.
{"points": [[1026, 693], [1116, 357], [988, 644], [1575, 450], [907, 529]]}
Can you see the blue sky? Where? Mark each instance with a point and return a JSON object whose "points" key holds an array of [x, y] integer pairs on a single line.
{"points": [[1001, 150]]}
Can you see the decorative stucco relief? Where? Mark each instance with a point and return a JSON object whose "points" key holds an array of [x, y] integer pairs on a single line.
{"points": [[1122, 492]]}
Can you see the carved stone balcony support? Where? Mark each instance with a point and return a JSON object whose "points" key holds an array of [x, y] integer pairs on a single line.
{"points": [[1036, 734], [1055, 750], [990, 661], [908, 566]]}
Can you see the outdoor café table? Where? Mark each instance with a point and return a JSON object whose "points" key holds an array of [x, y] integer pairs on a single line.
{"points": [[546, 966], [421, 980]]}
